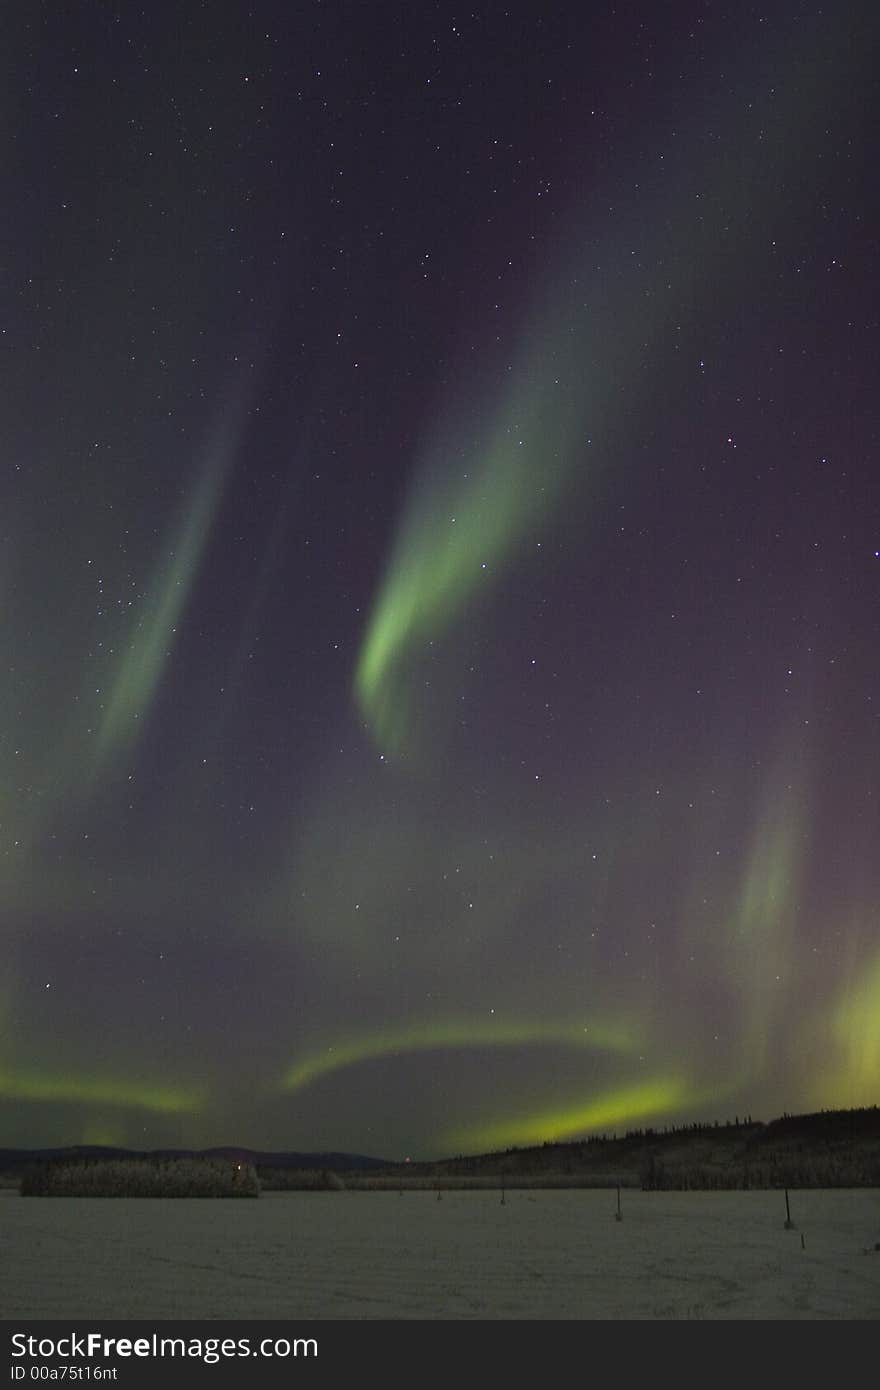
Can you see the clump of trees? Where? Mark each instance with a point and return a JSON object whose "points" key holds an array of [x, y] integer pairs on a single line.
{"points": [[132, 1177], [771, 1171]]}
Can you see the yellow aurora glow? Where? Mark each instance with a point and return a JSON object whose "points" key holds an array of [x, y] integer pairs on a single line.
{"points": [[622, 1106], [851, 1074]]}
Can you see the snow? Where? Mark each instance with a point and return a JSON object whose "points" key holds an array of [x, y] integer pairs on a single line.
{"points": [[542, 1254]]}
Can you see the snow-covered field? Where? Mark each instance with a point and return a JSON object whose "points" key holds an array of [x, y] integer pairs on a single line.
{"points": [[380, 1255]]}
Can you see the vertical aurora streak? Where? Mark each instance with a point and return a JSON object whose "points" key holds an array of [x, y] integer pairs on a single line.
{"points": [[472, 505]]}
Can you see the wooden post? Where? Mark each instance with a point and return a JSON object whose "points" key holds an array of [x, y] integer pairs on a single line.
{"points": [[618, 1215], [789, 1224]]}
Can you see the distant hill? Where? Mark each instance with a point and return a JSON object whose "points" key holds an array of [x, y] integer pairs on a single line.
{"points": [[839, 1148], [832, 1148], [15, 1160]]}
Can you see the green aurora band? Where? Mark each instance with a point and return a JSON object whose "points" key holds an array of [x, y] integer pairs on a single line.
{"points": [[460, 1034], [139, 671], [478, 495], [32, 1086], [622, 1106], [473, 505]]}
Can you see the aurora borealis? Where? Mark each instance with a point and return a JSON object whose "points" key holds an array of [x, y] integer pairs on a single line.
{"points": [[440, 572]]}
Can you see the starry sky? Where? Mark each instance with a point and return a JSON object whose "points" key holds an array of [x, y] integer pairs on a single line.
{"points": [[440, 562]]}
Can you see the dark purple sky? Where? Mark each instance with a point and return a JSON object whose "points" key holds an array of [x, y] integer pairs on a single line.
{"points": [[440, 561]]}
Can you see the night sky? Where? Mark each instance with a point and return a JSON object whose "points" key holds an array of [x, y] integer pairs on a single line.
{"points": [[440, 563]]}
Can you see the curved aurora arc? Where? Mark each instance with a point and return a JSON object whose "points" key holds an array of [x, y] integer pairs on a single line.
{"points": [[460, 1034], [625, 1103], [36, 1086]]}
